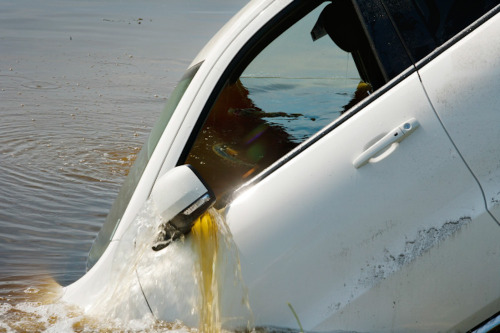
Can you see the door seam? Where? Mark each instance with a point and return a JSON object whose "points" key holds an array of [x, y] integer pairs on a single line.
{"points": [[457, 150]]}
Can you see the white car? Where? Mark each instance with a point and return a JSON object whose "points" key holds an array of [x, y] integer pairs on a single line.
{"points": [[353, 149]]}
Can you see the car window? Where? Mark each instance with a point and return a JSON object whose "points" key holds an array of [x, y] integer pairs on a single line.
{"points": [[297, 85], [426, 24]]}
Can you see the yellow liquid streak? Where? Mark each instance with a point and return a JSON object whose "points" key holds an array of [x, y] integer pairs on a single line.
{"points": [[205, 243]]}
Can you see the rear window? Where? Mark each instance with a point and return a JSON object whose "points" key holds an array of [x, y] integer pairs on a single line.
{"points": [[425, 25]]}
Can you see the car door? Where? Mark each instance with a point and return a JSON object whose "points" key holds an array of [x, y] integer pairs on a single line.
{"points": [[462, 83], [369, 225], [355, 207], [368, 248]]}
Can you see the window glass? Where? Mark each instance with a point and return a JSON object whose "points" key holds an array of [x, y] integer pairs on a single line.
{"points": [[292, 89], [169, 108], [300, 85], [427, 24], [446, 18]]}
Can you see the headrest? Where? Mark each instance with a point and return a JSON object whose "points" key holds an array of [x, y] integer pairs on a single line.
{"points": [[340, 21]]}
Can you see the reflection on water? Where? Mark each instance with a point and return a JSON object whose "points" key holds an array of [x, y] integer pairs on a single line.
{"points": [[81, 83]]}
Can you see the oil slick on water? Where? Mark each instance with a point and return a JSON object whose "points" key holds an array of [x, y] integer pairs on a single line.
{"points": [[197, 277]]}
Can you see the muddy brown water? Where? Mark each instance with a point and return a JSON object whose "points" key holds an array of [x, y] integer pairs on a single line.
{"points": [[81, 84]]}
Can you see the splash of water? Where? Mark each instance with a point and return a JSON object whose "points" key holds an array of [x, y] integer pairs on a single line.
{"points": [[42, 311], [195, 281]]}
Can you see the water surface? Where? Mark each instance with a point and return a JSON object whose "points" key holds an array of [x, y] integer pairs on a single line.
{"points": [[81, 84]]}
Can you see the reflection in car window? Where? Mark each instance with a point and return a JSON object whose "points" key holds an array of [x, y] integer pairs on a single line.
{"points": [[292, 89]]}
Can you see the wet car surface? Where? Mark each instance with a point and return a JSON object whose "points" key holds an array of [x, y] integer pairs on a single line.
{"points": [[353, 147]]}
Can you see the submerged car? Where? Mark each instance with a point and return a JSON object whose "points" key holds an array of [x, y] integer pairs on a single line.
{"points": [[353, 149]]}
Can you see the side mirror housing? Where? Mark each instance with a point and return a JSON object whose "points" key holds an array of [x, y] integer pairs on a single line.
{"points": [[180, 196]]}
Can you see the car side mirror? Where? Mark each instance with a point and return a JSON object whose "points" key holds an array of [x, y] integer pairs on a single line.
{"points": [[180, 196]]}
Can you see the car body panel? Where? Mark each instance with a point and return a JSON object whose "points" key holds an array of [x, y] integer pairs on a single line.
{"points": [[463, 87], [353, 229], [403, 242]]}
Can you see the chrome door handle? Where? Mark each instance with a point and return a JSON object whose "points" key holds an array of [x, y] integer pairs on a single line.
{"points": [[398, 134]]}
